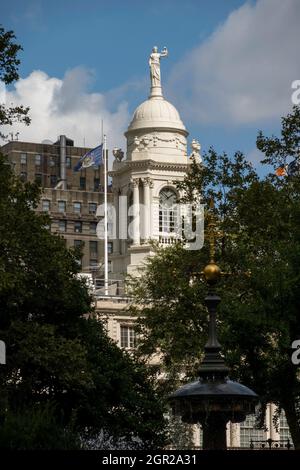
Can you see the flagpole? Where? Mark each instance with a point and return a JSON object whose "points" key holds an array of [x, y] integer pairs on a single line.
{"points": [[105, 220]]}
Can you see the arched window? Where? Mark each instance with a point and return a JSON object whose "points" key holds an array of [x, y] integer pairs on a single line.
{"points": [[168, 214]]}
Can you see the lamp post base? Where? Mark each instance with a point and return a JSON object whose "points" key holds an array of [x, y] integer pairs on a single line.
{"points": [[214, 432]]}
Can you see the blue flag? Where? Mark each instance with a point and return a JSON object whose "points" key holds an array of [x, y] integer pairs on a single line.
{"points": [[93, 157], [293, 168]]}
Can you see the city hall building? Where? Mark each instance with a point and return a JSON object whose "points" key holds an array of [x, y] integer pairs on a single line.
{"points": [[142, 194]]}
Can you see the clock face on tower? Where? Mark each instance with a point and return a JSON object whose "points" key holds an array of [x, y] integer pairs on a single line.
{"points": [[167, 197]]}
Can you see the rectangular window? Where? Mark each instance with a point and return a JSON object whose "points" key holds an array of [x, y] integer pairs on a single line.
{"points": [[77, 207], [38, 178], [38, 160], [68, 162], [53, 180], [110, 227], [82, 182], [284, 429], [62, 225], [92, 208], [77, 226], [23, 176], [93, 227], [61, 206], [78, 244], [248, 431], [93, 249], [96, 184], [127, 336], [110, 248], [52, 161], [23, 158], [167, 219], [46, 205]]}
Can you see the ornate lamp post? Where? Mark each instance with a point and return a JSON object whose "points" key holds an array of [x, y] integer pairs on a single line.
{"points": [[213, 399]]}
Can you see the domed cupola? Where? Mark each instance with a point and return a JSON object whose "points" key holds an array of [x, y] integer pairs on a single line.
{"points": [[158, 113]]}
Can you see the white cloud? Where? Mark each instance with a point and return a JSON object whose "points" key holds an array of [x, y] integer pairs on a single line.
{"points": [[243, 73], [65, 107]]}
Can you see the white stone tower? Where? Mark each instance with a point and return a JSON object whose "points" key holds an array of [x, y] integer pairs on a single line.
{"points": [[156, 157]]}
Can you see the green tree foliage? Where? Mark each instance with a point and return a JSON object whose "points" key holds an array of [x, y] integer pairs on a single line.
{"points": [[181, 435], [171, 289], [36, 427], [278, 150], [259, 249], [9, 63], [55, 354], [172, 318]]}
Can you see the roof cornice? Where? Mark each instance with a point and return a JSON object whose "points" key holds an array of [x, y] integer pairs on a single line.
{"points": [[148, 165]]}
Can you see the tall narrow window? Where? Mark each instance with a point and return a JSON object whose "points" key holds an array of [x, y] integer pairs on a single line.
{"points": [[77, 226], [167, 211], [61, 206], [93, 227], [82, 182], [38, 178], [96, 184], [45, 205], [53, 180], [78, 244], [77, 207], [23, 158], [127, 337], [93, 248], [62, 225], [92, 207], [38, 159]]}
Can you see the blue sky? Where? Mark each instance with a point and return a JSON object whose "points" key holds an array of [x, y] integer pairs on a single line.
{"points": [[229, 70], [113, 37]]}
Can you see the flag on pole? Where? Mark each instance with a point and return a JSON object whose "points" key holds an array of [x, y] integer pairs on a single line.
{"points": [[281, 171], [93, 157], [293, 168]]}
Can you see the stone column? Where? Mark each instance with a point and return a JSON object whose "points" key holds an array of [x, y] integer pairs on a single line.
{"points": [[136, 212], [275, 435], [123, 220], [116, 221], [268, 424], [146, 209], [151, 186], [234, 435]]}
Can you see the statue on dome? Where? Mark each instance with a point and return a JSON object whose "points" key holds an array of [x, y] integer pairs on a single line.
{"points": [[154, 63]]}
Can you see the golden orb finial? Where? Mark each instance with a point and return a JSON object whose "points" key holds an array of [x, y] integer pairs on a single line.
{"points": [[212, 273]]}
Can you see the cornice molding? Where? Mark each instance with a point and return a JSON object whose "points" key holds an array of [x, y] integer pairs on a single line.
{"points": [[148, 165]]}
